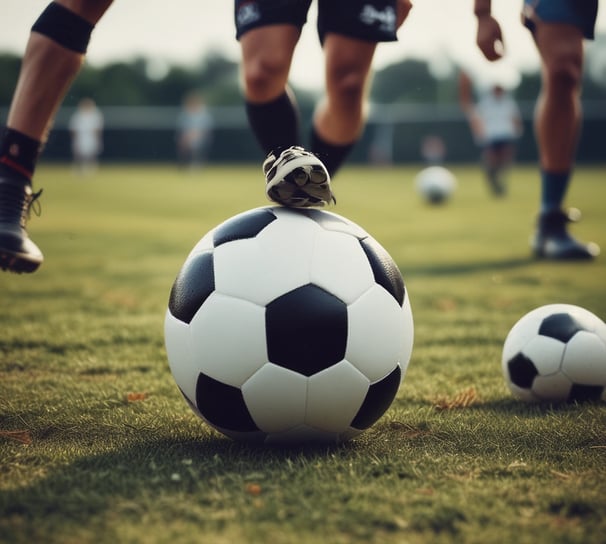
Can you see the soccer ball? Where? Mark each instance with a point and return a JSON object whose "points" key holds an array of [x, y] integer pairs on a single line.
{"points": [[435, 184], [290, 326], [556, 353]]}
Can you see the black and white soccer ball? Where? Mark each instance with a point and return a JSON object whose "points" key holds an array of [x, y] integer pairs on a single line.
{"points": [[289, 325], [436, 184], [556, 353]]}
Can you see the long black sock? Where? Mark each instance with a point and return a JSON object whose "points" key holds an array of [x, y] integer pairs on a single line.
{"points": [[332, 155], [18, 154], [275, 124]]}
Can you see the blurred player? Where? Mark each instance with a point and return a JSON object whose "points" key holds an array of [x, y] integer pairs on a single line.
{"points": [[558, 28], [496, 124], [349, 31], [86, 129], [54, 54], [194, 131], [433, 150]]}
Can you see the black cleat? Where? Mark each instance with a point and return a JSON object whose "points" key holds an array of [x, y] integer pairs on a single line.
{"points": [[297, 178], [17, 252], [552, 241]]}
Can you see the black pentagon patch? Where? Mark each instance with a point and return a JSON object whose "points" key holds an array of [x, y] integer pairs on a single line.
{"points": [[562, 327], [194, 284], [585, 393], [522, 371], [306, 330], [379, 397], [223, 405], [385, 270], [243, 226]]}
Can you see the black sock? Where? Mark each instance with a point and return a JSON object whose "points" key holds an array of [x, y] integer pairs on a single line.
{"points": [[18, 154], [332, 155], [275, 124]]}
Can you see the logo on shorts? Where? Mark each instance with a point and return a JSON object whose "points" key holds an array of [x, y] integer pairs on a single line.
{"points": [[248, 13], [386, 18]]}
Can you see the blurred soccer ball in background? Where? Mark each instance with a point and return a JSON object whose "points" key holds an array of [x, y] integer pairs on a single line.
{"points": [[435, 184]]}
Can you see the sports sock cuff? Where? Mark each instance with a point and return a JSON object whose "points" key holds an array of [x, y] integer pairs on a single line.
{"points": [[19, 152], [64, 27], [554, 186], [332, 155], [275, 124]]}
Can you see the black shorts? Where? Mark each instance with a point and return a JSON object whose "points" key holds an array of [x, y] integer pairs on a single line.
{"points": [[368, 20]]}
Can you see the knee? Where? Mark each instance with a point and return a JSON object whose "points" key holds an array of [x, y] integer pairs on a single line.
{"points": [[348, 85], [264, 77], [564, 73]]}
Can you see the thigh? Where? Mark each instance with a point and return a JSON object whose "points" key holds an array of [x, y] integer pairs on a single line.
{"points": [[345, 55], [270, 46]]}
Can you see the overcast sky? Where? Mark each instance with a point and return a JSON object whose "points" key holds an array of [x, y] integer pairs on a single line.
{"points": [[182, 31]]}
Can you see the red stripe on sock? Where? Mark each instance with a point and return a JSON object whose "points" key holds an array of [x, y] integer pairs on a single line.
{"points": [[17, 167]]}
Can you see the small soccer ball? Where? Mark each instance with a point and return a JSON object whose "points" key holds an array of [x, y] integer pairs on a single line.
{"points": [[556, 353], [435, 184], [290, 326]]}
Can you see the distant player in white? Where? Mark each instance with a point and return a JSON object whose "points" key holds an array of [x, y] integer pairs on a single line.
{"points": [[496, 124], [86, 129]]}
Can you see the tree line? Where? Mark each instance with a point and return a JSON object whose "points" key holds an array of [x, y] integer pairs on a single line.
{"points": [[136, 83], [408, 85]]}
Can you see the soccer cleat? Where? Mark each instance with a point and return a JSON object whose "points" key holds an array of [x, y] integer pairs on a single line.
{"points": [[17, 252], [297, 178], [552, 241]]}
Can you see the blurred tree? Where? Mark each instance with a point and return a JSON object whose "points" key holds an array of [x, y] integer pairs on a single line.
{"points": [[406, 81], [134, 83], [148, 82]]}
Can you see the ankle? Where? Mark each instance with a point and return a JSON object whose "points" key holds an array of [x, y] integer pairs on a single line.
{"points": [[18, 155], [6, 171]]}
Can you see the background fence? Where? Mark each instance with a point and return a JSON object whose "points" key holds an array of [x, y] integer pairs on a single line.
{"points": [[147, 134]]}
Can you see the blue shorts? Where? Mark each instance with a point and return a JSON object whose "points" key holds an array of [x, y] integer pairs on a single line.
{"points": [[368, 20], [579, 13]]}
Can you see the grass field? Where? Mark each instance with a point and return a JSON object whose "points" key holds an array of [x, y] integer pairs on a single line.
{"points": [[97, 444]]}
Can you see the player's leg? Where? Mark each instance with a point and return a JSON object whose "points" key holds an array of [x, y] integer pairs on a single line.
{"points": [[268, 36], [558, 108], [492, 169], [53, 56], [506, 155], [268, 33], [340, 117], [349, 31], [294, 176], [501, 160], [271, 108], [557, 125]]}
